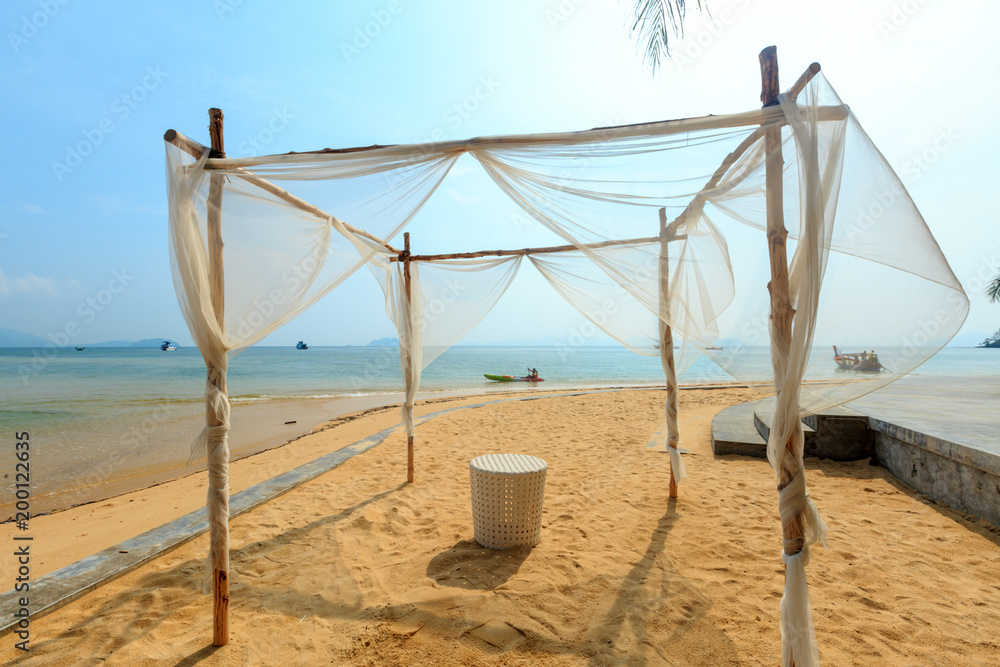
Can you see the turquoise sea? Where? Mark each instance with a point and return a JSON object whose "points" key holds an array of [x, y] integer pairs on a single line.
{"points": [[105, 414]]}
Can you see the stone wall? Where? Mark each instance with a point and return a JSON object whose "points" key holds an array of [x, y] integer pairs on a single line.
{"points": [[959, 477]]}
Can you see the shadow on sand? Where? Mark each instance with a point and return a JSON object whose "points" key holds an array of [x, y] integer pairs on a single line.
{"points": [[653, 593], [471, 566]]}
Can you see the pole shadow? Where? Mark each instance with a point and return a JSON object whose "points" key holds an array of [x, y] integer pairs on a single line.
{"points": [[198, 656]]}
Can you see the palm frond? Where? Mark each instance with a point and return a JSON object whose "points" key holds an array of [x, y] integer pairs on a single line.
{"points": [[993, 290], [654, 21]]}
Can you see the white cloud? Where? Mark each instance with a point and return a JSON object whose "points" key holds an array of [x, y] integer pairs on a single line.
{"points": [[32, 283], [463, 168], [460, 197], [29, 282], [33, 209]]}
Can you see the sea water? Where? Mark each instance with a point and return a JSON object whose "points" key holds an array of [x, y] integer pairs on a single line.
{"points": [[102, 412]]}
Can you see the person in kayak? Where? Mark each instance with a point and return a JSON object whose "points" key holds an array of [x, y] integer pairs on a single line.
{"points": [[534, 372]]}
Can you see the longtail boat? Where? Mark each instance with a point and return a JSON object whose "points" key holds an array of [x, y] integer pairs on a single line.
{"points": [[866, 362]]}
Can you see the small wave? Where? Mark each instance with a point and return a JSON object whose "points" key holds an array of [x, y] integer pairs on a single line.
{"points": [[260, 398], [139, 401]]}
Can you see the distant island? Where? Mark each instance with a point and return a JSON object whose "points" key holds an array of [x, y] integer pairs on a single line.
{"points": [[384, 342], [11, 338], [992, 341]]}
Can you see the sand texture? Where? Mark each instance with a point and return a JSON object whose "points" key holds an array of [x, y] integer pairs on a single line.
{"points": [[359, 568]]}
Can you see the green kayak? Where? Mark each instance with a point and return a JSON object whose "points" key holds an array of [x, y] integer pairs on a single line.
{"points": [[511, 378]]}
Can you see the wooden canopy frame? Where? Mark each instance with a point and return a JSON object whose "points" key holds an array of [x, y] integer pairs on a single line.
{"points": [[781, 315]]}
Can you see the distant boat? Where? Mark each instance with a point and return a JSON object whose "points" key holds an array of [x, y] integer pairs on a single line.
{"points": [[865, 362], [168, 346], [301, 346], [80, 349]]}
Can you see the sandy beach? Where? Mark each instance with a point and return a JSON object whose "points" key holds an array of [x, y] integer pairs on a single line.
{"points": [[357, 567]]}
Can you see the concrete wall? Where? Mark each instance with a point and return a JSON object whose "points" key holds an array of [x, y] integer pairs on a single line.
{"points": [[961, 478]]}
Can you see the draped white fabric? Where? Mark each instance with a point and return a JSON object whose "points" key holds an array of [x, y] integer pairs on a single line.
{"points": [[191, 271], [894, 291], [853, 231], [785, 441], [277, 260], [890, 288], [447, 300], [667, 360]]}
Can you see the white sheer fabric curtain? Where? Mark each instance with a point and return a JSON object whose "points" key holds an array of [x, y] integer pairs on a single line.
{"points": [[606, 185], [447, 300], [278, 260], [667, 360], [851, 223], [819, 149], [190, 263]]}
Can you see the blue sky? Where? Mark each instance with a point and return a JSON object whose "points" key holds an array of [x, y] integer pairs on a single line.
{"points": [[90, 88]]}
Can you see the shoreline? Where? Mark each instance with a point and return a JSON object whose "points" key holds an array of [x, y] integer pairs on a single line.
{"points": [[256, 426]]}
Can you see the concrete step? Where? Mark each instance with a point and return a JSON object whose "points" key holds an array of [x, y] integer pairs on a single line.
{"points": [[733, 432], [762, 414], [840, 434]]}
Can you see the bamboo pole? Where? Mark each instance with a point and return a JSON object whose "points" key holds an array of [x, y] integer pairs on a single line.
{"points": [[409, 360], [782, 312], [664, 127], [529, 251], [803, 80], [667, 346], [673, 126], [781, 307], [195, 149], [216, 277]]}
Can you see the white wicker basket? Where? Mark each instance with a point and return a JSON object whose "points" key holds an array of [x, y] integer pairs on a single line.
{"points": [[507, 494]]}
